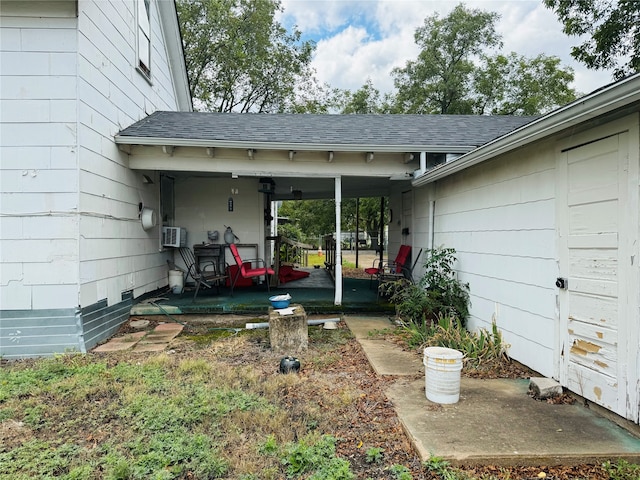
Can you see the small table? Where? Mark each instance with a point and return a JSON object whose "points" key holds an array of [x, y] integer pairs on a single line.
{"points": [[212, 252]]}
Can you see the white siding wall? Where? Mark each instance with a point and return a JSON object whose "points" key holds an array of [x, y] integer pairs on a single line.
{"points": [[500, 218], [201, 206], [38, 157], [116, 254], [69, 226]]}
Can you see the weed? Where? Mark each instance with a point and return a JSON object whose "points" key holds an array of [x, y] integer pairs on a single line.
{"points": [[269, 446], [476, 346], [622, 470], [37, 459], [400, 472], [317, 455], [374, 454]]}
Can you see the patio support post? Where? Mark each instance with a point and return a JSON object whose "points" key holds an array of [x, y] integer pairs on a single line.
{"points": [[381, 228], [338, 271]]}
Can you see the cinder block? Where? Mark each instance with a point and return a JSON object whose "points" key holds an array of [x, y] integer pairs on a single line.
{"points": [[543, 388]]}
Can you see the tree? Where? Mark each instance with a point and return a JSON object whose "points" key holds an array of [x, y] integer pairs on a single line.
{"points": [[364, 100], [317, 217], [239, 58], [439, 80], [613, 27], [515, 85], [456, 74]]}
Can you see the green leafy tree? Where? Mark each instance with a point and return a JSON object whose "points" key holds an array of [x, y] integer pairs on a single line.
{"points": [[613, 30], [439, 80], [239, 58], [515, 85], [366, 99], [455, 72], [313, 218]]}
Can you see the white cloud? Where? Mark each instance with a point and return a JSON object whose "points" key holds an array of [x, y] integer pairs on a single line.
{"points": [[364, 39]]}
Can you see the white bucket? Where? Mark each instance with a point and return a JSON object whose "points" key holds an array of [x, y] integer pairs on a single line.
{"points": [[176, 281], [442, 374]]}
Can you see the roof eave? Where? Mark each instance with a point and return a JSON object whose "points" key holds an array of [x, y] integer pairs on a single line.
{"points": [[600, 102], [314, 147]]}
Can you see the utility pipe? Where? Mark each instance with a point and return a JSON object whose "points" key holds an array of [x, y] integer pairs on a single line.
{"points": [[253, 326]]}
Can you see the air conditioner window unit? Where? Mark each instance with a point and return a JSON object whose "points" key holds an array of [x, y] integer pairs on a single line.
{"points": [[174, 237]]}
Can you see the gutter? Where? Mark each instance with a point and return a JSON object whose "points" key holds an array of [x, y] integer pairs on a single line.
{"points": [[595, 104]]}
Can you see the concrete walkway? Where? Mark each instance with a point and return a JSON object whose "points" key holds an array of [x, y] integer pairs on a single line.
{"points": [[495, 421], [155, 340]]}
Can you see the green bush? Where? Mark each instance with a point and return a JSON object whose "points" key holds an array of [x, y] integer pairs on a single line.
{"points": [[438, 293]]}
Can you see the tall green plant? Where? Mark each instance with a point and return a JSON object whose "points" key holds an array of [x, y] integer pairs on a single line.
{"points": [[449, 295], [438, 293]]}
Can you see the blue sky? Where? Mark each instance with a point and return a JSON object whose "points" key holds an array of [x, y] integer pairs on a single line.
{"points": [[364, 39]]}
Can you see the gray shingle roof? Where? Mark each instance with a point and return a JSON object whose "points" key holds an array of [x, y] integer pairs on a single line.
{"points": [[327, 130]]}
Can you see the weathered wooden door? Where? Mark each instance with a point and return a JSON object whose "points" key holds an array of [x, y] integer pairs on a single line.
{"points": [[597, 329]]}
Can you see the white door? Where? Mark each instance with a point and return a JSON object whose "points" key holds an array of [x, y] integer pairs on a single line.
{"points": [[595, 259]]}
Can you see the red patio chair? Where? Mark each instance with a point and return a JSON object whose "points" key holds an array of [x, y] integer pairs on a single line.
{"points": [[398, 268], [249, 272]]}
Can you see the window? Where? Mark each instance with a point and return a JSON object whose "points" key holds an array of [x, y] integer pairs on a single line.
{"points": [[144, 37]]}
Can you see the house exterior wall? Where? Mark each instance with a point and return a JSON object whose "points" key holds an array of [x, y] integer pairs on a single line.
{"points": [[71, 236], [500, 218], [116, 254], [508, 218]]}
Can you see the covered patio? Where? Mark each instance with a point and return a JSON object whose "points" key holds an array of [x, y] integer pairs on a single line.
{"points": [[315, 293], [214, 170]]}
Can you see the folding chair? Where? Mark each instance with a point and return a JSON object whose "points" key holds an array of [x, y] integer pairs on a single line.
{"points": [[249, 272], [206, 276], [392, 270]]}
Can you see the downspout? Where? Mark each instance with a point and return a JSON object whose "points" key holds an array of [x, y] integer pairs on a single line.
{"points": [[432, 223], [338, 272]]}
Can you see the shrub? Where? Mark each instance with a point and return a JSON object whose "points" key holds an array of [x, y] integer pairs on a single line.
{"points": [[438, 293]]}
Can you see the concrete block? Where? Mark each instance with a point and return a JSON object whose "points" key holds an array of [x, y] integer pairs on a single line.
{"points": [[543, 388], [288, 333]]}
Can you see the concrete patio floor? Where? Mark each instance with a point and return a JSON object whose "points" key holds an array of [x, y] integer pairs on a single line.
{"points": [[495, 421]]}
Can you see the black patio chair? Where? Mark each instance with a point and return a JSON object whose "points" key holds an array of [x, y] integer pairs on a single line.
{"points": [[205, 275]]}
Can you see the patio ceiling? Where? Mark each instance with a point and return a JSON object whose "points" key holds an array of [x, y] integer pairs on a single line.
{"points": [[313, 188]]}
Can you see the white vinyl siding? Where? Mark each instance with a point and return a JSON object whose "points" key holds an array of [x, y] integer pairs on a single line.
{"points": [[70, 230], [38, 157], [500, 218], [116, 254]]}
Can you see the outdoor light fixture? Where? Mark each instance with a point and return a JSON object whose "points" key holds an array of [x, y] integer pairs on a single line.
{"points": [[369, 157], [267, 185], [292, 154], [251, 152], [330, 157]]}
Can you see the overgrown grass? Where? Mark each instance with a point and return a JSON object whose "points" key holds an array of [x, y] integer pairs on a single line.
{"points": [[447, 332], [218, 409], [165, 416]]}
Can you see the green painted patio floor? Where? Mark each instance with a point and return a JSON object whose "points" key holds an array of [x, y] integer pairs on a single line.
{"points": [[357, 296]]}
